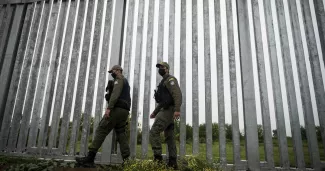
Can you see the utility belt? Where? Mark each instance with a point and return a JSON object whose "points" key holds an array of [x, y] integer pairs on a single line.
{"points": [[123, 104], [167, 104], [166, 107]]}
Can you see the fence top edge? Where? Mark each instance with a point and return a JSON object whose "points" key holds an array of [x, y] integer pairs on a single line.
{"points": [[4, 2]]}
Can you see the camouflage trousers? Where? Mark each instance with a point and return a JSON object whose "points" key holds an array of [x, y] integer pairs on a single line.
{"points": [[163, 123], [117, 121]]}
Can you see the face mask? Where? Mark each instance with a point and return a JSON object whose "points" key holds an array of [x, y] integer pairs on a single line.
{"points": [[113, 75], [161, 72]]}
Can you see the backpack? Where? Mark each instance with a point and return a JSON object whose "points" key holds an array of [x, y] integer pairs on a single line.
{"points": [[163, 96]]}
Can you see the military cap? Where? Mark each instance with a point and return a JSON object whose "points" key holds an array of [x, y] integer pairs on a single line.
{"points": [[165, 64], [115, 67]]}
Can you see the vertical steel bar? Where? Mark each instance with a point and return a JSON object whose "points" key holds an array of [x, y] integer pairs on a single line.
{"points": [[292, 79], [114, 50], [15, 80], [220, 83], [59, 75], [316, 11], [44, 55], [109, 141], [105, 35], [195, 103], [183, 38], [26, 106], [147, 97], [160, 38], [200, 61], [47, 93], [278, 79], [244, 24], [269, 111], [166, 24], [7, 24], [208, 105], [103, 71], [145, 75], [68, 48], [22, 54], [13, 53], [225, 72], [172, 38], [3, 19], [90, 82], [127, 43], [25, 79], [8, 112], [135, 72], [5, 33], [307, 88], [79, 84], [233, 83]]}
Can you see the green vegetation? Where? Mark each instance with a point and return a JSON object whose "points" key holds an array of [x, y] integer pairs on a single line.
{"points": [[229, 152], [32, 164], [202, 145]]}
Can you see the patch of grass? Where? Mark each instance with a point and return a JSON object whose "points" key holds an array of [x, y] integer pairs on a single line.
{"points": [[229, 152], [31, 164], [5, 160], [24, 163]]}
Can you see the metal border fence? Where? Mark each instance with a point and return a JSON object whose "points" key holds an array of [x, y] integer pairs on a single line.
{"points": [[235, 60]]}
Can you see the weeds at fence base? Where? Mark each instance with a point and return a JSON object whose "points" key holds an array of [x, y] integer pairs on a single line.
{"points": [[33, 164]]}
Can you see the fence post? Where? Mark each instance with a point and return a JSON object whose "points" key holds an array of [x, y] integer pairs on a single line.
{"points": [[250, 120], [115, 56]]}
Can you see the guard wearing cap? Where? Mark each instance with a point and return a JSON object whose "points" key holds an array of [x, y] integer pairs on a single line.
{"points": [[169, 99], [115, 117]]}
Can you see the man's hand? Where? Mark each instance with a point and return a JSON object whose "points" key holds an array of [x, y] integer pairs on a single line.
{"points": [[152, 116], [177, 115], [107, 113]]}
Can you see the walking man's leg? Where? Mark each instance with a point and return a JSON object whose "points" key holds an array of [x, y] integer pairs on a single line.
{"points": [[170, 140], [121, 135], [157, 128], [122, 139], [104, 128]]}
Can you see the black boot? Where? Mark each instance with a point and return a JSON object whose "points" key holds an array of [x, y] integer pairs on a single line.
{"points": [[125, 160], [172, 162], [158, 158], [87, 161]]}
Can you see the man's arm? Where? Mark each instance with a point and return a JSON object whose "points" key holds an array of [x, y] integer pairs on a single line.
{"points": [[175, 91], [110, 86], [118, 86], [157, 109]]}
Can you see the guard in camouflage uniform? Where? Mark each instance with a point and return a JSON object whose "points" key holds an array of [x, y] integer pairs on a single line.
{"points": [[115, 117], [169, 99]]}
